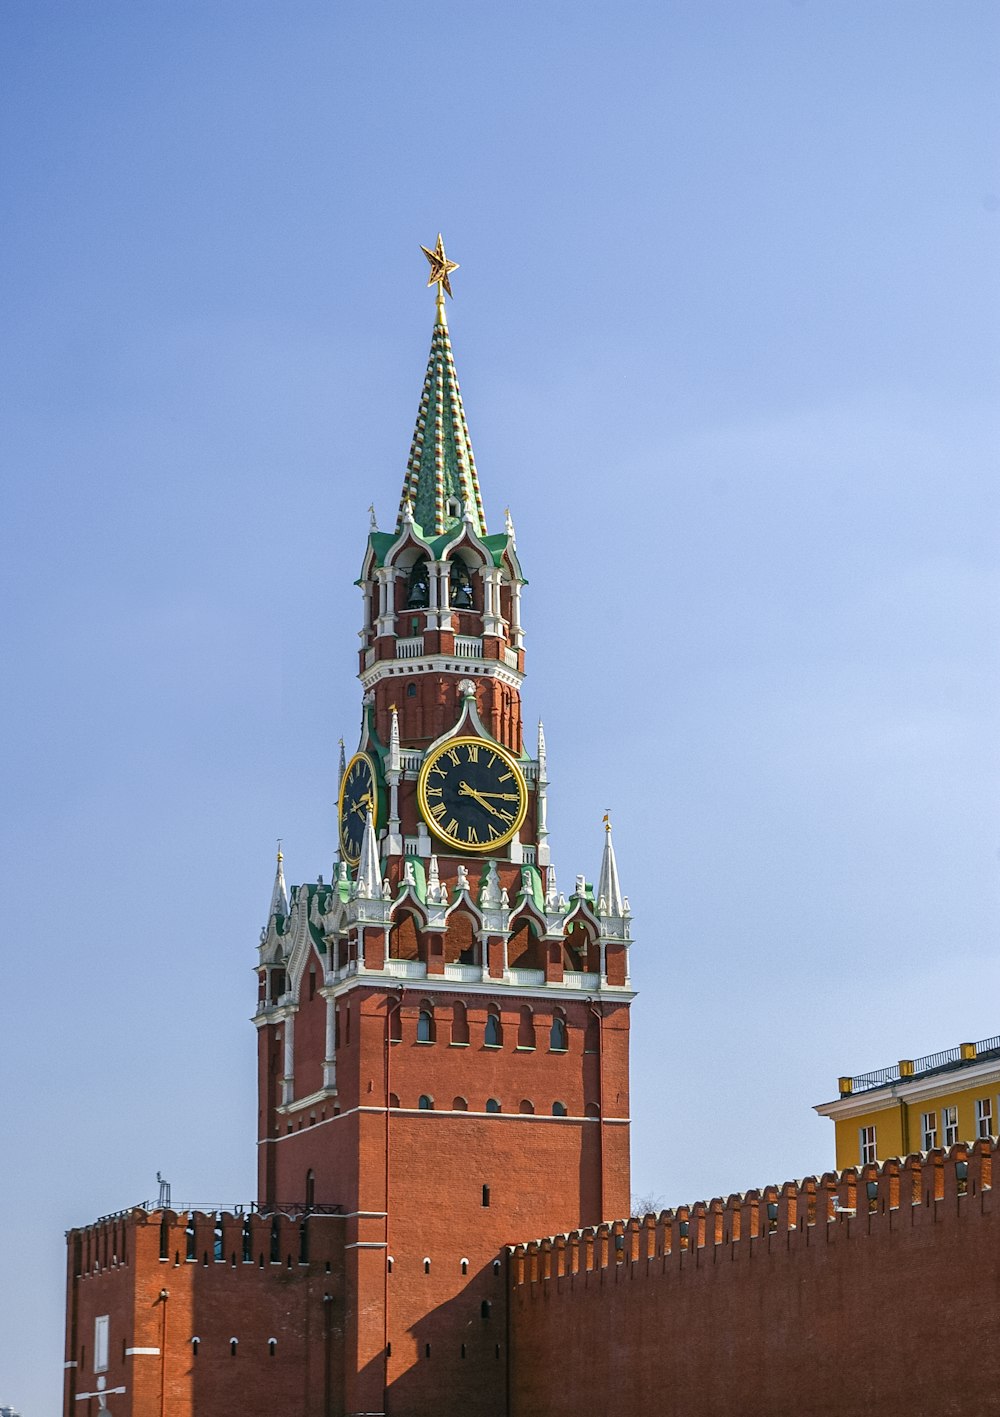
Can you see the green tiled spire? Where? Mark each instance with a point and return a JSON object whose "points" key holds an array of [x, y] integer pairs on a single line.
{"points": [[441, 467]]}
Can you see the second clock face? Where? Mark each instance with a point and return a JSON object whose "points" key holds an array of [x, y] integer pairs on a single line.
{"points": [[358, 797], [472, 794]]}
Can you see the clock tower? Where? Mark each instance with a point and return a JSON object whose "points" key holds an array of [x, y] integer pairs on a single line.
{"points": [[443, 1032]]}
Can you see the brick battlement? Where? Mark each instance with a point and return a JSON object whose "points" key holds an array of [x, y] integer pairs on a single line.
{"points": [[816, 1296], [856, 1200]]}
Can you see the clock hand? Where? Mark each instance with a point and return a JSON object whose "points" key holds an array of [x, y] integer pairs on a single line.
{"points": [[464, 790], [503, 796]]}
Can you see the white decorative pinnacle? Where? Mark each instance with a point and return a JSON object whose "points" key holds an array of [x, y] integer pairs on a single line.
{"points": [[508, 524], [279, 895], [369, 882], [342, 768], [609, 886], [542, 755], [395, 762], [435, 893], [551, 890], [372, 519], [490, 893]]}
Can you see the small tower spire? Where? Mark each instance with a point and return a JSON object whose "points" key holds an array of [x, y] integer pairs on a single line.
{"points": [[609, 888], [542, 857], [369, 884], [279, 895], [395, 763], [441, 483]]}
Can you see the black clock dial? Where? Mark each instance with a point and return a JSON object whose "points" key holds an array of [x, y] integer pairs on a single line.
{"points": [[472, 794], [358, 797]]}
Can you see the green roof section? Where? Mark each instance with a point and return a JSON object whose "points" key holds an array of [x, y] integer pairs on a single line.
{"points": [[441, 470], [382, 542]]}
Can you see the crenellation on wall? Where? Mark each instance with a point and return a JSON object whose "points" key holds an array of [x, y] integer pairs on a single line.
{"points": [[855, 1201]]}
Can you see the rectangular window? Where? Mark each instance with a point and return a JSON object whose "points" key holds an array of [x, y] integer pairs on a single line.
{"points": [[984, 1116], [101, 1343], [928, 1130], [949, 1125], [867, 1145]]}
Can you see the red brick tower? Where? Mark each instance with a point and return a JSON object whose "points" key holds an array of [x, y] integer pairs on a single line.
{"points": [[443, 1036]]}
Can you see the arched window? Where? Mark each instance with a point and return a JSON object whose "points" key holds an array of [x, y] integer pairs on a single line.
{"points": [[395, 1021], [272, 1346], [558, 1040], [526, 1107], [492, 1105], [460, 1105], [459, 1024], [459, 584], [592, 1038], [393, 1100], [465, 1266], [526, 1028], [310, 1189], [418, 592], [427, 1265], [425, 1025], [195, 1344], [592, 1110], [453, 508], [559, 1109], [493, 1037], [426, 1104]]}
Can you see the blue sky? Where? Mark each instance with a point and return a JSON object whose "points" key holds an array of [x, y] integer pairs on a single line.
{"points": [[726, 325]]}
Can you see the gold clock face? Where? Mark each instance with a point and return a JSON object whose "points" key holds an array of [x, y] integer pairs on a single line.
{"points": [[472, 794], [358, 797]]}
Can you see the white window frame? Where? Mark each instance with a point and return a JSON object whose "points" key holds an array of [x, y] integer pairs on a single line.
{"points": [[868, 1147], [984, 1113], [949, 1124], [101, 1335], [928, 1130]]}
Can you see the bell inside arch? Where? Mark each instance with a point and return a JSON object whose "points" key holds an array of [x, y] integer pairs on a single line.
{"points": [[459, 585], [418, 593]]}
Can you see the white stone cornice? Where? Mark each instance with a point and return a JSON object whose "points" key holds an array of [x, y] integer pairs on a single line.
{"points": [[441, 664], [315, 1099]]}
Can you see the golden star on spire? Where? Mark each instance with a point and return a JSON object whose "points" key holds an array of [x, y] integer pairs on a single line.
{"points": [[441, 267]]}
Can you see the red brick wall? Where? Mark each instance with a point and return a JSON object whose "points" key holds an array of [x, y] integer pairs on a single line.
{"points": [[162, 1304], [411, 1181], [811, 1312]]}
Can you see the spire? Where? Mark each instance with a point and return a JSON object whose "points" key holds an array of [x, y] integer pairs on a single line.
{"points": [[279, 896], [394, 763], [609, 889], [441, 484], [369, 884]]}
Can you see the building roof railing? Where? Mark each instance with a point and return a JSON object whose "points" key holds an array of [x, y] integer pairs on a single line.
{"points": [[291, 1208], [909, 1068]]}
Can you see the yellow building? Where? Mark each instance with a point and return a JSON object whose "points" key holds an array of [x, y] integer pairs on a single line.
{"points": [[918, 1103]]}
